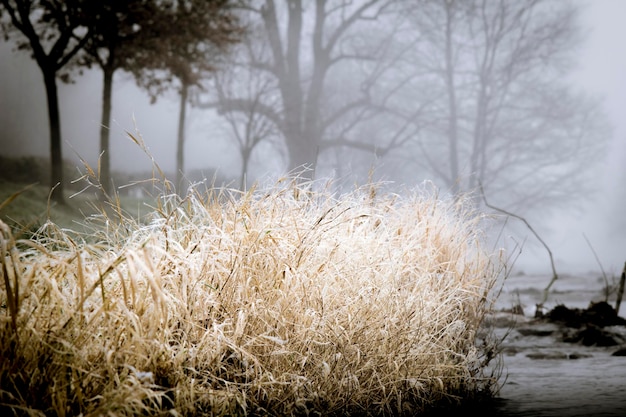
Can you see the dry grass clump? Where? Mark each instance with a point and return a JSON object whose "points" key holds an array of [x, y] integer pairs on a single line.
{"points": [[279, 301]]}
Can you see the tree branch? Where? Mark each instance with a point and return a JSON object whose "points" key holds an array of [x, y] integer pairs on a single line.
{"points": [[243, 106], [554, 274]]}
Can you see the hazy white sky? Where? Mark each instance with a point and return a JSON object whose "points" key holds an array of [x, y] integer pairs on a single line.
{"points": [[602, 72], [603, 60]]}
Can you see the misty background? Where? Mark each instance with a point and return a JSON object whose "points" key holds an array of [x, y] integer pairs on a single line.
{"points": [[599, 71]]}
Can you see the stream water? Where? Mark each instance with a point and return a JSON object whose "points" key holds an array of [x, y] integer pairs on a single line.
{"points": [[544, 376]]}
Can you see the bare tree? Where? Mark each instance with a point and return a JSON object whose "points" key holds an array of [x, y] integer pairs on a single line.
{"points": [[302, 58], [500, 112], [54, 32], [248, 126]]}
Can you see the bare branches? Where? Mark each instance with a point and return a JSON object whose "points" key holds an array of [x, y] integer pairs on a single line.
{"points": [[554, 274], [495, 70], [383, 74], [348, 22], [245, 105], [298, 62]]}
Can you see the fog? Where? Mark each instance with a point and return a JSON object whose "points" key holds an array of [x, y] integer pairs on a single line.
{"points": [[25, 132], [601, 72]]}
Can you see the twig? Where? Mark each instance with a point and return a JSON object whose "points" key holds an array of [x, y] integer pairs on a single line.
{"points": [[554, 274], [620, 292], [606, 280]]}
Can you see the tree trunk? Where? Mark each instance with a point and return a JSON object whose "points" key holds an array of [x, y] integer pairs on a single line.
{"points": [[478, 160], [180, 144], [105, 123], [301, 147], [56, 157], [452, 104], [302, 155], [245, 161]]}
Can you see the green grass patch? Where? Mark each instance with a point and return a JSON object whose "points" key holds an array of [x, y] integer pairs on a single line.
{"points": [[27, 207]]}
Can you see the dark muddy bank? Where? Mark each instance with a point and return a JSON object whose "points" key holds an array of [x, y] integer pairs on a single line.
{"points": [[570, 361]]}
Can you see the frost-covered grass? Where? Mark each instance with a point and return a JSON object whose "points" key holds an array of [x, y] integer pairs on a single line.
{"points": [[275, 301]]}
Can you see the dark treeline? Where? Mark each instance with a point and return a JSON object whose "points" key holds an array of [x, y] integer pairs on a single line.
{"points": [[164, 44]]}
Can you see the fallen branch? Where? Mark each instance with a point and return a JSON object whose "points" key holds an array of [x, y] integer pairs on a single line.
{"points": [[554, 274]]}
